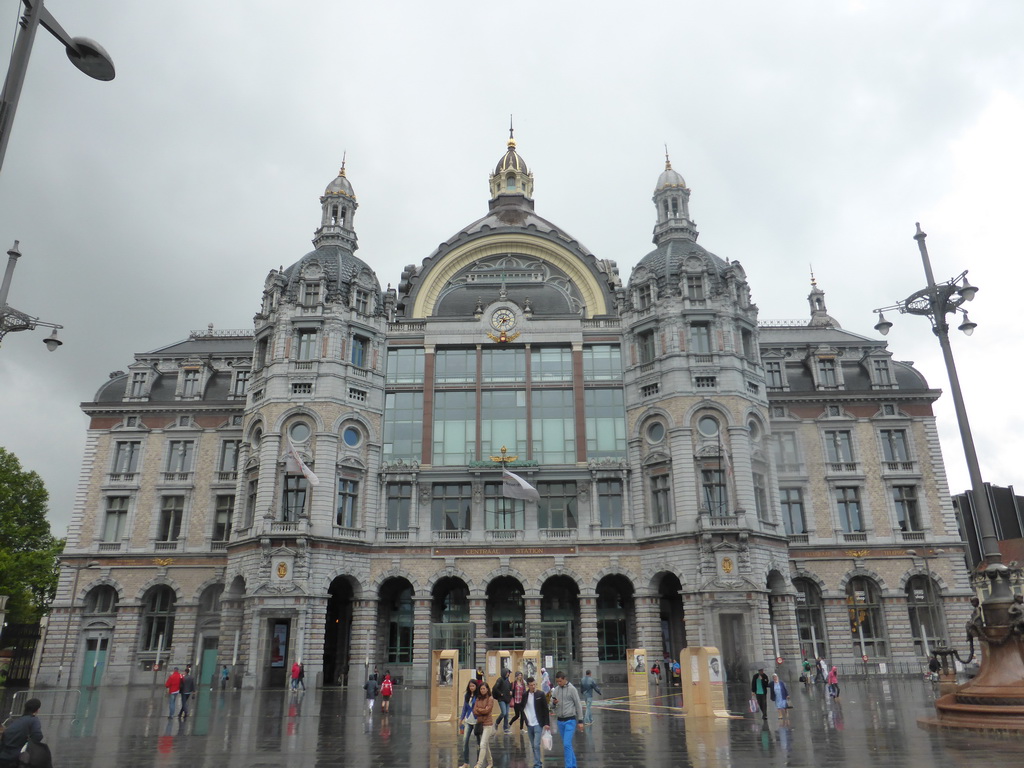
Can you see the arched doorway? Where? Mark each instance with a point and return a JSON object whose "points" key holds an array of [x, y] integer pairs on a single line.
{"points": [[208, 633], [560, 621], [506, 618], [616, 618], [810, 620], [671, 614], [395, 625], [338, 632], [449, 619]]}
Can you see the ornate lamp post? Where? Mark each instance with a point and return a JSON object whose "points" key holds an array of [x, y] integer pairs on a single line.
{"points": [[995, 698], [12, 319]]}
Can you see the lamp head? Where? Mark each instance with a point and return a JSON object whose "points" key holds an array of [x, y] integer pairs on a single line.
{"points": [[90, 58], [52, 342], [883, 325], [967, 326], [968, 291]]}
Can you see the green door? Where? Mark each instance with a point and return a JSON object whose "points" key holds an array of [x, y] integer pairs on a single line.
{"points": [[95, 660]]}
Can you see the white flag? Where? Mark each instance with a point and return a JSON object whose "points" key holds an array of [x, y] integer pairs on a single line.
{"points": [[514, 487], [306, 471]]}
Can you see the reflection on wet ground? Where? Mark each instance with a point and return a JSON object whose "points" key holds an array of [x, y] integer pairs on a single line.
{"points": [[874, 723]]}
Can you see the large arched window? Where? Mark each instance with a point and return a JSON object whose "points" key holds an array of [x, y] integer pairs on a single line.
{"points": [[924, 606], [867, 626], [810, 620], [158, 618], [614, 615], [102, 599], [505, 607], [396, 598]]}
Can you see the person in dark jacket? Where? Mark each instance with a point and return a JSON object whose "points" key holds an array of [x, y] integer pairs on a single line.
{"points": [[538, 720], [503, 695], [187, 688], [759, 685], [19, 732], [371, 687]]}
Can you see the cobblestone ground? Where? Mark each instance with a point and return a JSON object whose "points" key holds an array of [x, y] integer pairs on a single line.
{"points": [[874, 724]]}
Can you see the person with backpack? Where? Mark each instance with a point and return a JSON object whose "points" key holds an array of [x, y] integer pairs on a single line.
{"points": [[503, 695], [387, 688], [20, 732], [371, 688]]}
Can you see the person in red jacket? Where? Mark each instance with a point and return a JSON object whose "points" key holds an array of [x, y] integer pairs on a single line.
{"points": [[173, 686], [387, 688]]}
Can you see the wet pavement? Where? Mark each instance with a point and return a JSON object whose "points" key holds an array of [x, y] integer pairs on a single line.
{"points": [[873, 723]]}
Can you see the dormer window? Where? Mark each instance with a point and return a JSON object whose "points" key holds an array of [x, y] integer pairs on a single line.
{"points": [[695, 287], [510, 183], [644, 297], [334, 214], [311, 293], [882, 375], [362, 301], [138, 386], [827, 376], [190, 382]]}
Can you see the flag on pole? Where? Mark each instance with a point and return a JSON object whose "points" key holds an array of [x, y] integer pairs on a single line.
{"points": [[306, 471], [514, 487]]}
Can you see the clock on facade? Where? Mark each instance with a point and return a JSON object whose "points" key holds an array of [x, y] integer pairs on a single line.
{"points": [[503, 319]]}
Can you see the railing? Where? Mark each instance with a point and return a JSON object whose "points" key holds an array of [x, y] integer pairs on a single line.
{"points": [[165, 546], [217, 546], [505, 535], [701, 359], [558, 534], [659, 529], [913, 535], [898, 466], [407, 327], [349, 533], [646, 368], [362, 372], [283, 526], [227, 477], [396, 536], [855, 538], [177, 477], [609, 322], [110, 546], [612, 533], [841, 466], [798, 538], [123, 477], [459, 535], [303, 365], [719, 521]]}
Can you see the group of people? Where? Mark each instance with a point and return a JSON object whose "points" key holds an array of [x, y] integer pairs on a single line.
{"points": [[386, 689], [822, 674], [484, 711], [183, 685], [761, 689]]}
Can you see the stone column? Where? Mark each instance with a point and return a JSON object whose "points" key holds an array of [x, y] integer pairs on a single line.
{"points": [[648, 623], [532, 616], [588, 629], [420, 641], [478, 617], [364, 639]]}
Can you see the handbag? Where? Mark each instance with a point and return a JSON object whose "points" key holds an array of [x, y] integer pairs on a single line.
{"points": [[478, 729], [752, 704], [547, 742]]}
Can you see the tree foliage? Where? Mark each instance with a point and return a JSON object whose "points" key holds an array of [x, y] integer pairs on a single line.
{"points": [[28, 551]]}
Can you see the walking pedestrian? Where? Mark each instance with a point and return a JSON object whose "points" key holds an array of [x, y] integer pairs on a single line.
{"points": [[656, 673], [821, 673], [173, 686], [538, 720], [568, 708], [224, 674], [833, 682], [759, 687], [387, 688], [371, 688], [806, 676], [503, 695], [296, 673], [518, 693], [467, 721], [933, 668], [484, 711], [587, 687], [187, 688], [780, 695], [18, 733], [545, 684]]}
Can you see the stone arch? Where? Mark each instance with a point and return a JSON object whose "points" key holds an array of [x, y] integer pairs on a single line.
{"points": [[396, 573], [159, 581], [915, 571], [859, 570], [255, 425], [812, 577], [658, 571], [504, 570], [559, 570], [708, 405], [449, 572], [354, 582], [361, 420], [209, 583], [616, 570], [298, 410], [650, 414], [235, 586]]}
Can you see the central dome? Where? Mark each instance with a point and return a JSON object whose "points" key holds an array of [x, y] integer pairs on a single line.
{"points": [[511, 161]]}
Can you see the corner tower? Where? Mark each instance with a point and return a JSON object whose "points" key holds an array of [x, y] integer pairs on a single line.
{"points": [[338, 209]]}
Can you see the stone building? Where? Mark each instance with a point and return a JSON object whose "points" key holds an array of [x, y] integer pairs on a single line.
{"points": [[328, 485]]}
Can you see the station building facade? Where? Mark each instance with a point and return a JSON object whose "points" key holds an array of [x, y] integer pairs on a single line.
{"points": [[326, 486]]}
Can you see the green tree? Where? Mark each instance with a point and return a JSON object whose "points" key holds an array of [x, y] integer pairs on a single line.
{"points": [[28, 551]]}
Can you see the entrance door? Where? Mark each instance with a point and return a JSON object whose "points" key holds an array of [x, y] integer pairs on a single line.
{"points": [[278, 638], [208, 662], [95, 660], [734, 655]]}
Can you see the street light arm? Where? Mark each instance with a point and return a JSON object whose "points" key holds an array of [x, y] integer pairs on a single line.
{"points": [[50, 24]]}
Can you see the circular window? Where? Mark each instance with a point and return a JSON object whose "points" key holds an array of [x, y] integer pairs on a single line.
{"points": [[656, 432], [299, 432], [755, 431], [708, 426], [351, 437]]}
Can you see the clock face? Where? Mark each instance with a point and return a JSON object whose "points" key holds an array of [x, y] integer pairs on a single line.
{"points": [[503, 319]]}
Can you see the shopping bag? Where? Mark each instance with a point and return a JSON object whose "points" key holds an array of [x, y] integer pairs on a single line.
{"points": [[547, 742], [752, 705]]}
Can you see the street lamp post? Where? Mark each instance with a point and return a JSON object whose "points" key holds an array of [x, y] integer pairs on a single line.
{"points": [[992, 699], [11, 319]]}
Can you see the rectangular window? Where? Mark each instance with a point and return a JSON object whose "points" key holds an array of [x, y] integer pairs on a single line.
{"points": [[262, 349], [881, 370], [557, 505], [700, 338], [348, 498], [307, 347], [362, 301], [792, 500], [139, 384], [605, 414], [229, 456], [645, 347], [695, 287], [450, 506], [749, 348], [399, 504], [293, 502], [114, 525], [310, 293], [454, 428], [839, 446], [644, 297], [609, 503], [905, 500], [499, 365], [602, 362], [827, 373], [716, 501], [500, 513], [403, 425], [551, 364], [455, 366], [126, 457], [225, 510], [787, 457], [661, 503], [894, 445], [302, 388], [554, 426], [172, 509], [503, 422], [241, 386], [251, 489], [179, 456], [405, 365], [760, 496], [190, 383], [360, 351], [848, 507], [773, 374], [705, 382]]}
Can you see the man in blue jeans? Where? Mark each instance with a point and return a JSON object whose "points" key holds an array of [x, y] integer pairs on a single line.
{"points": [[568, 708], [502, 694], [535, 712], [589, 686]]}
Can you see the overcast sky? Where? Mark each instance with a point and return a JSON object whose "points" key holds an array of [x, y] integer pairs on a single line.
{"points": [[810, 133]]}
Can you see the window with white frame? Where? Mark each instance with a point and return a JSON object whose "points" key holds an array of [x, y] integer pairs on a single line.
{"points": [[348, 502], [851, 519], [904, 499], [190, 382], [138, 386], [557, 505], [792, 502], [773, 374], [761, 496], [115, 521], [241, 384], [839, 446], [228, 464], [644, 297], [293, 500], [645, 346], [311, 293], [609, 503], [126, 457], [894, 445], [700, 338], [179, 457], [223, 513], [172, 511], [399, 505], [787, 453], [882, 374], [661, 502], [307, 344], [695, 287], [362, 301], [360, 351], [714, 496], [501, 513]]}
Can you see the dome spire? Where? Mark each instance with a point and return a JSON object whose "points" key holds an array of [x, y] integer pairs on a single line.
{"points": [[672, 202], [511, 182], [337, 210], [819, 312], [668, 163]]}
